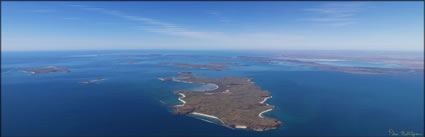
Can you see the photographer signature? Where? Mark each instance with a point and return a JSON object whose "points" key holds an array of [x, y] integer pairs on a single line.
{"points": [[403, 133]]}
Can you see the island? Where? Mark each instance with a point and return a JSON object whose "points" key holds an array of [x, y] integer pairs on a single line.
{"points": [[46, 70], [346, 69], [140, 55], [92, 81], [197, 66], [228, 64], [185, 74], [237, 103], [217, 66], [409, 63], [129, 62]]}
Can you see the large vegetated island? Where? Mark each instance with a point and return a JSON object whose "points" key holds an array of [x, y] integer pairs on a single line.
{"points": [[237, 103]]}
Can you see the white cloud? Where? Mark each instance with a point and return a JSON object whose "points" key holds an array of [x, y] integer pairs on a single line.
{"points": [[335, 14], [159, 26], [71, 18], [220, 17], [175, 31], [206, 38], [43, 11]]}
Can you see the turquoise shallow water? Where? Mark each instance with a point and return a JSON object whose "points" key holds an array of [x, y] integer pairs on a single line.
{"points": [[131, 101]]}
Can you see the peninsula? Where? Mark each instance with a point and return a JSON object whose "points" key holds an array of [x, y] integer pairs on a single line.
{"points": [[237, 103]]}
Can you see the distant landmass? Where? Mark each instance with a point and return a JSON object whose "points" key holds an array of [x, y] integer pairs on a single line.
{"points": [[92, 81], [46, 70], [407, 63]]}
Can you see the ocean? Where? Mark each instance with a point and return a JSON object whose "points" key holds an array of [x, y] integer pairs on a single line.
{"points": [[131, 101]]}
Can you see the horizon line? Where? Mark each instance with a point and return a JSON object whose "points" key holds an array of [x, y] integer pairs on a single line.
{"points": [[260, 50]]}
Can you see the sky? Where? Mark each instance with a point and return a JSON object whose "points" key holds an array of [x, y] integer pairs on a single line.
{"points": [[284, 25]]}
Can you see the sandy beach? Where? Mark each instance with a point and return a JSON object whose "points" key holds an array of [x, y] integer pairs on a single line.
{"points": [[32, 72], [215, 86], [262, 102], [240, 126], [265, 99], [181, 80], [261, 114], [206, 115], [180, 99], [178, 80]]}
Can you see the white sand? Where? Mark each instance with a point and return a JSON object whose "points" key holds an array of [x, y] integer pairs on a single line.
{"points": [[32, 72], [240, 126], [216, 86], [262, 102], [265, 99], [261, 114], [226, 91], [178, 80], [180, 99], [181, 80], [206, 115]]}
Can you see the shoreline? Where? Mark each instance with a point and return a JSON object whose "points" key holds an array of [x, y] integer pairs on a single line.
{"points": [[206, 115], [262, 112], [32, 72], [265, 99], [208, 118], [241, 126], [178, 80], [222, 122], [197, 113], [216, 87], [180, 99], [92, 81]]}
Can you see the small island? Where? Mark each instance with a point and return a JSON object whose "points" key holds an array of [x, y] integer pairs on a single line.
{"points": [[198, 66], [92, 81], [237, 103], [228, 64], [46, 70], [129, 62]]}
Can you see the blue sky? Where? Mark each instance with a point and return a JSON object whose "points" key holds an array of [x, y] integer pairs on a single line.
{"points": [[213, 25]]}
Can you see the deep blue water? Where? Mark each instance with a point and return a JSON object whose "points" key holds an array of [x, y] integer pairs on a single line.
{"points": [[131, 101]]}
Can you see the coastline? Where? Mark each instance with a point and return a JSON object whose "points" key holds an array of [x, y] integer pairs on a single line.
{"points": [[241, 126], [184, 102], [32, 72], [265, 99], [92, 81], [215, 87], [180, 99], [206, 115], [262, 112], [178, 80]]}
